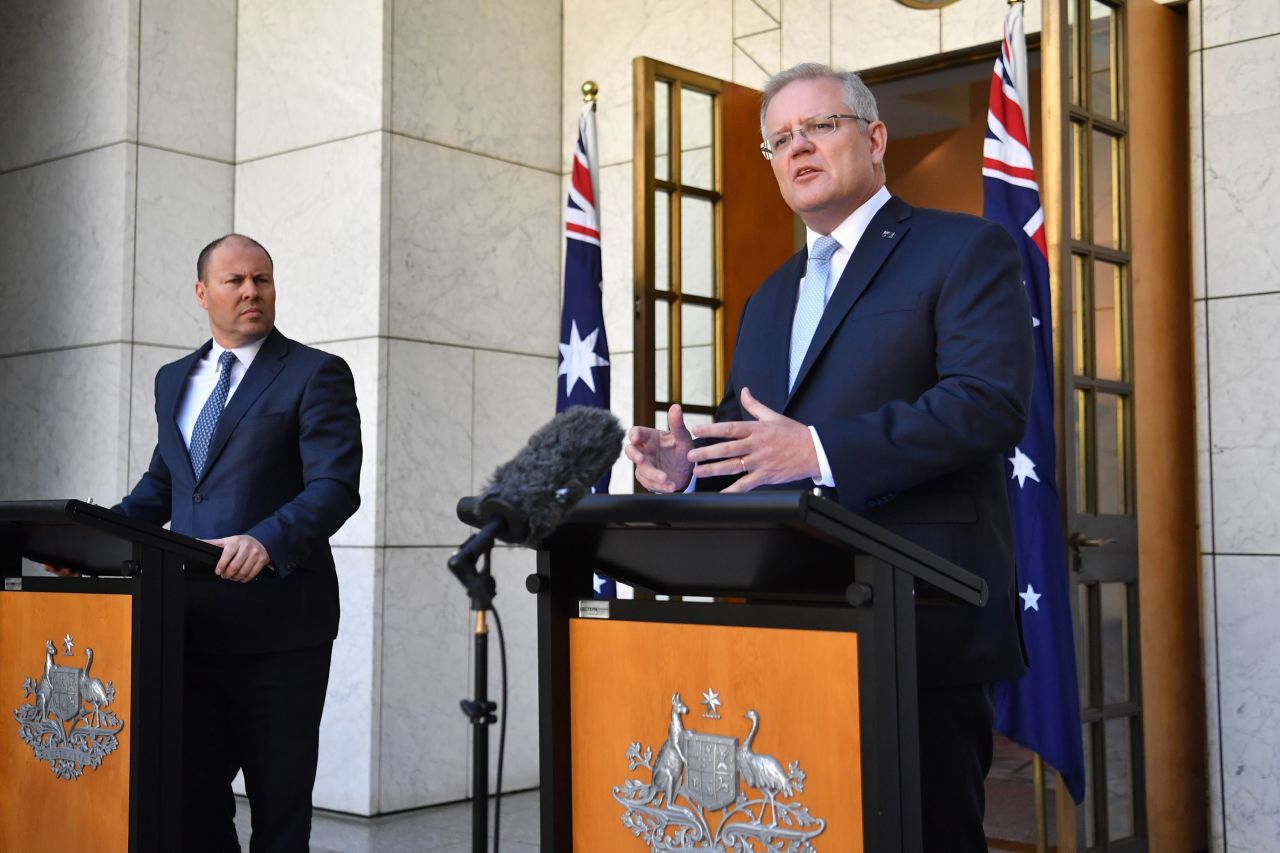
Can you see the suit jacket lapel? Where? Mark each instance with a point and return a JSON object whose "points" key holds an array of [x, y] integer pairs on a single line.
{"points": [[266, 366], [169, 397], [779, 306], [885, 231]]}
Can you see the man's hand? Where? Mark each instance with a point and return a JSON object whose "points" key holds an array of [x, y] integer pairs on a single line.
{"points": [[661, 456], [243, 557], [60, 571], [770, 449]]}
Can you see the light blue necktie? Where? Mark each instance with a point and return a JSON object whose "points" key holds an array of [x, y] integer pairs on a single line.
{"points": [[207, 421], [812, 301]]}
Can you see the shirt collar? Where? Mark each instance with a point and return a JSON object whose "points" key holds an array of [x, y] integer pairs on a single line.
{"points": [[244, 354], [849, 232]]}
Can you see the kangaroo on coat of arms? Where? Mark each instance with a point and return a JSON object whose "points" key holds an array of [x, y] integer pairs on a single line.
{"points": [[58, 726], [694, 774]]}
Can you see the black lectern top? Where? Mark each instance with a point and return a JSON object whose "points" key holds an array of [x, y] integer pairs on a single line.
{"points": [[768, 544], [88, 538]]}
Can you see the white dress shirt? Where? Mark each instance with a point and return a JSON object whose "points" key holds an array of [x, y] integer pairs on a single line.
{"points": [[204, 377], [847, 234]]}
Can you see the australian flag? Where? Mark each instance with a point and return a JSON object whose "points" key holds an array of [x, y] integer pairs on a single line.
{"points": [[584, 350], [1040, 710]]}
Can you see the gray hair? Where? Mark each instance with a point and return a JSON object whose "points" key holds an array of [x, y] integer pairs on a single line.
{"points": [[857, 97]]}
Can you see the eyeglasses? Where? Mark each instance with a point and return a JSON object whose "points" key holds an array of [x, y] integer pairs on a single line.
{"points": [[813, 128]]}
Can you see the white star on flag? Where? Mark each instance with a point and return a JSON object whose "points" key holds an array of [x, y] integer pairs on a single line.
{"points": [[597, 582], [577, 357], [1023, 467], [1030, 598]]}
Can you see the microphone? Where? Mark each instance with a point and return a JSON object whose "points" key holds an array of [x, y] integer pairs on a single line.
{"points": [[527, 497]]}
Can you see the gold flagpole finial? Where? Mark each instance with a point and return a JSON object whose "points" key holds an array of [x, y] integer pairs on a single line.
{"points": [[589, 91], [1014, 2]]}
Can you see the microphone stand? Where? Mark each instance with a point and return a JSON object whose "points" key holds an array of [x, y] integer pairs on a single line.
{"points": [[481, 589]]}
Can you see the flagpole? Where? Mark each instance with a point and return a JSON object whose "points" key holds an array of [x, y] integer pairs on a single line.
{"points": [[1042, 823]]}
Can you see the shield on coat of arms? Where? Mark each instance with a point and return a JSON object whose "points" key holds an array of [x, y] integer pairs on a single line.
{"points": [[711, 769], [64, 700]]}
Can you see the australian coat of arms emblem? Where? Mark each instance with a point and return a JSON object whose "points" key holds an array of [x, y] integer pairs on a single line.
{"points": [[69, 722], [695, 774]]}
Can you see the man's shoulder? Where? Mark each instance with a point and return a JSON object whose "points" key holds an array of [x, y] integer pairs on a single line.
{"points": [[952, 221]]}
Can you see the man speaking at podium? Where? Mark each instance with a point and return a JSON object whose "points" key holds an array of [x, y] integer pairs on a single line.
{"points": [[259, 453], [890, 362]]}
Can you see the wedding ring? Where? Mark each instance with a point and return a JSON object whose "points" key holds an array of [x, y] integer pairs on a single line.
{"points": [[742, 460]]}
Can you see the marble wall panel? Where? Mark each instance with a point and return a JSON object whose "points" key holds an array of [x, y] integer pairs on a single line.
{"points": [[67, 78], [349, 730], [425, 741], [66, 234], [430, 405], [806, 32], [143, 427], [867, 34], [1213, 729], [968, 24], [1204, 466], [1241, 118], [367, 358], [1244, 356], [602, 37], [187, 76], [1226, 21], [616, 247], [483, 77], [320, 213], [519, 612], [751, 17], [514, 395], [64, 433], [1249, 678], [183, 203], [1199, 270], [475, 249], [621, 477], [307, 73]]}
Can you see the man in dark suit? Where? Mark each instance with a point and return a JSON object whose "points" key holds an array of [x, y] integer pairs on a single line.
{"points": [[258, 452], [891, 363]]}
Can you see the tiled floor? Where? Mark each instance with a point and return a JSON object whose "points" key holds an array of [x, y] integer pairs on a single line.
{"points": [[447, 829], [441, 829]]}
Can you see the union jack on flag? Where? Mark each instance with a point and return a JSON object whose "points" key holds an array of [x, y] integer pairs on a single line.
{"points": [[583, 379], [1040, 710]]}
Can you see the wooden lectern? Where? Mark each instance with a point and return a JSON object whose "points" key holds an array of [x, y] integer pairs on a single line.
{"points": [[91, 679], [783, 713]]}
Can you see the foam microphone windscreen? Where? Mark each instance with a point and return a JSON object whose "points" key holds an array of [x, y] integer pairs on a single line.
{"points": [[562, 461]]}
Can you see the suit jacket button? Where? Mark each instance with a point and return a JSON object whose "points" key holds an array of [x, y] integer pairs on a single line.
{"points": [[197, 497]]}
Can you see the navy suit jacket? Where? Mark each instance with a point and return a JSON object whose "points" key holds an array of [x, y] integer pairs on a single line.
{"points": [[918, 381], [283, 467]]}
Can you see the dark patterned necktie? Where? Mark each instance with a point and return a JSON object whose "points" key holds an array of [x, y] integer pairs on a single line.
{"points": [[207, 422]]}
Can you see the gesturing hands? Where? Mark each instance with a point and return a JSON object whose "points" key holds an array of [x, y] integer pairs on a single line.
{"points": [[243, 557], [770, 449], [661, 456]]}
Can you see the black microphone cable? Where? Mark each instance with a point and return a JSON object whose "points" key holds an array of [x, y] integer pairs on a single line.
{"points": [[502, 726]]}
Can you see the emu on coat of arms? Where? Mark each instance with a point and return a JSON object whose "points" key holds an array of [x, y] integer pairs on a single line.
{"points": [[694, 774], [69, 723]]}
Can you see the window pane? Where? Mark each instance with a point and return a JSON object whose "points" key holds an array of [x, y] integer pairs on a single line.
{"points": [[1104, 189], [696, 122], [1108, 356], [692, 419], [662, 240], [1114, 602], [1119, 778], [1085, 637], [1079, 318], [697, 362], [697, 246], [662, 130], [1083, 463], [1077, 181], [1109, 448], [1090, 785], [662, 350], [1073, 40], [1102, 34]]}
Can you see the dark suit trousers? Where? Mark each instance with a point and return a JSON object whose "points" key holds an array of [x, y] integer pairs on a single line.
{"points": [[955, 755], [260, 713]]}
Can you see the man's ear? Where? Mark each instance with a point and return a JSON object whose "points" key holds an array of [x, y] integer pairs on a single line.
{"points": [[878, 134], [201, 296]]}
